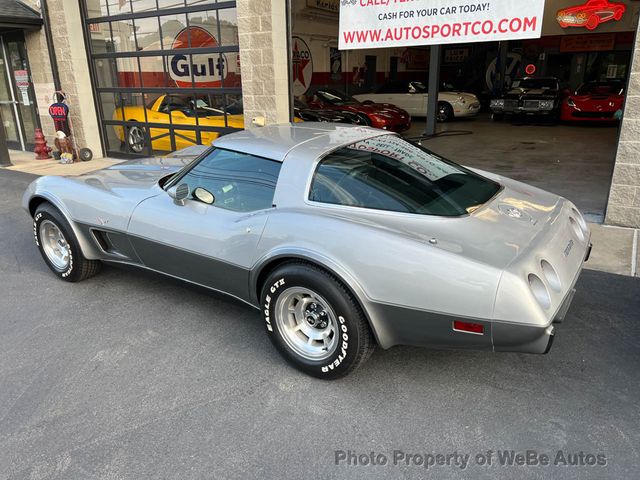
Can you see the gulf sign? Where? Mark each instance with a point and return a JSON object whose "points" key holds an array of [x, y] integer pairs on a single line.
{"points": [[404, 23], [208, 69]]}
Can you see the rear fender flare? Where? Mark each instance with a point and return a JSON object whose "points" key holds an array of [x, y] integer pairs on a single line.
{"points": [[377, 324]]}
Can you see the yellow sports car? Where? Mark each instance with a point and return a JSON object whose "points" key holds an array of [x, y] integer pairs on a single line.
{"points": [[176, 110]]}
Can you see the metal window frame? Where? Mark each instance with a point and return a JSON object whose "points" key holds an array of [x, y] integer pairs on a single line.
{"points": [[136, 56]]}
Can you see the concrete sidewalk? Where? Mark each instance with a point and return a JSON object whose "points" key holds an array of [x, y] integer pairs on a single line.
{"points": [[615, 250], [26, 162]]}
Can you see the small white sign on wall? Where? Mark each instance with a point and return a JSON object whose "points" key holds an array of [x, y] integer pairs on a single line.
{"points": [[25, 97]]}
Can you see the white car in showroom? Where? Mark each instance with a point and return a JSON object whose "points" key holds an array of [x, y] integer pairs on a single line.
{"points": [[413, 97]]}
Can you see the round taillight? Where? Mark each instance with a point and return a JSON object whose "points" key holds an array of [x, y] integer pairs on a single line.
{"points": [[576, 228], [539, 291], [551, 276]]}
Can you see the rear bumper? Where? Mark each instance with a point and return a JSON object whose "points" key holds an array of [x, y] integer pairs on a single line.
{"points": [[509, 337]]}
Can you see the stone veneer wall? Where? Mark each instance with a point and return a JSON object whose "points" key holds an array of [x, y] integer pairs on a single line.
{"points": [[263, 58], [74, 72], [624, 198]]}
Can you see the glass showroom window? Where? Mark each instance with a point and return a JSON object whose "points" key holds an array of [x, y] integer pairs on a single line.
{"points": [[166, 73]]}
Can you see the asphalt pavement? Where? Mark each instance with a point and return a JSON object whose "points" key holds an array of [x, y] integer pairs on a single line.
{"points": [[131, 375]]}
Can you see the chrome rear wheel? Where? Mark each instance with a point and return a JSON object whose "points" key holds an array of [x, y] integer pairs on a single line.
{"points": [[307, 322]]}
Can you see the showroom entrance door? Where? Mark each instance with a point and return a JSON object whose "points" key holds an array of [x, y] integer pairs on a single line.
{"points": [[17, 97]]}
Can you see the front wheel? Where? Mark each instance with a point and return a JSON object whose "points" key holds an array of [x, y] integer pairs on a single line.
{"points": [[59, 246], [314, 321], [136, 140], [445, 112], [593, 22]]}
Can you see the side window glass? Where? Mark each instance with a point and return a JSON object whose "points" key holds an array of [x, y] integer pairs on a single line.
{"points": [[237, 181]]}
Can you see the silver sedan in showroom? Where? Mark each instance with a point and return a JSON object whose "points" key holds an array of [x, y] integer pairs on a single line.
{"points": [[343, 237]]}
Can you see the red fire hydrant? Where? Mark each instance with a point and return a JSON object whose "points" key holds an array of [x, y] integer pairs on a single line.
{"points": [[42, 150]]}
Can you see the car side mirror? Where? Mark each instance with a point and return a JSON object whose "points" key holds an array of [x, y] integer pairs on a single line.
{"points": [[179, 193], [204, 195]]}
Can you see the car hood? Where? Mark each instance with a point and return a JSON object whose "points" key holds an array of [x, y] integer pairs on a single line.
{"points": [[598, 100], [376, 108], [134, 180], [455, 96], [532, 93], [331, 115], [113, 192]]}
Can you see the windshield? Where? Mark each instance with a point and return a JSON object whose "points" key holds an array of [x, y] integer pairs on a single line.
{"points": [[417, 87], [392, 174], [536, 84], [601, 88], [335, 98]]}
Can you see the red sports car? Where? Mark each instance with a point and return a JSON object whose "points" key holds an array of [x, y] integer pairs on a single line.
{"points": [[591, 14], [595, 102], [377, 115]]}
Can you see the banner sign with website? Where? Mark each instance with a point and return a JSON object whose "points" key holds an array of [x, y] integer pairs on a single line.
{"points": [[402, 23]]}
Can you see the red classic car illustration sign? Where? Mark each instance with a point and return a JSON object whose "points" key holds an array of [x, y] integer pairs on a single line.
{"points": [[591, 14]]}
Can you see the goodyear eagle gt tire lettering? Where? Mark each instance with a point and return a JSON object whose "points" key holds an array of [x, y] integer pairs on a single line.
{"points": [[314, 321]]}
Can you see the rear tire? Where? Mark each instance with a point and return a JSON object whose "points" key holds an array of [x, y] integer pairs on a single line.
{"points": [[314, 321], [59, 246]]}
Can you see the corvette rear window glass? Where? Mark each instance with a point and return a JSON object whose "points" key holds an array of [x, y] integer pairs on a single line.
{"points": [[238, 182], [389, 173]]}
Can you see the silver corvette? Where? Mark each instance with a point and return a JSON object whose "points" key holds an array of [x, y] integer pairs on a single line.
{"points": [[343, 237]]}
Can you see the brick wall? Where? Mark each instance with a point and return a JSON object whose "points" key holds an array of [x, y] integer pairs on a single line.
{"points": [[263, 58], [624, 197], [69, 45]]}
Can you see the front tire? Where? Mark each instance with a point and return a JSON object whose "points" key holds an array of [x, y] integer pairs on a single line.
{"points": [[314, 321], [136, 139], [445, 112], [59, 246]]}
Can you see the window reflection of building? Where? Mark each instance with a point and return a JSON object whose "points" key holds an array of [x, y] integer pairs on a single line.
{"points": [[140, 53]]}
